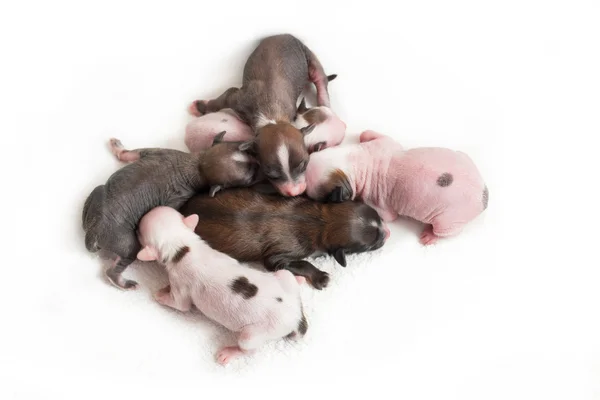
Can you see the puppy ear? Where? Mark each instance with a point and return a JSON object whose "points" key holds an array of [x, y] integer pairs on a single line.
{"points": [[219, 138], [317, 147], [191, 221], [248, 147], [340, 257], [302, 107], [147, 254], [214, 189], [308, 129]]}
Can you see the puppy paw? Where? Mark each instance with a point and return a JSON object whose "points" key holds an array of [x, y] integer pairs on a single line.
{"points": [[198, 108], [320, 280], [428, 237], [227, 354]]}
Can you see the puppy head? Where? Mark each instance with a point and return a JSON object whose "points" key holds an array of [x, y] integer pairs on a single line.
{"points": [[161, 232], [329, 129], [353, 227], [283, 156], [229, 164], [329, 177]]}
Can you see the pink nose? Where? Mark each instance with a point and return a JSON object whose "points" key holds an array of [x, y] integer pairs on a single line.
{"points": [[293, 190]]}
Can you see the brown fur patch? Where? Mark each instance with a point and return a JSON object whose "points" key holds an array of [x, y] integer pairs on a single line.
{"points": [[336, 188], [243, 287], [271, 137], [315, 116], [180, 254]]}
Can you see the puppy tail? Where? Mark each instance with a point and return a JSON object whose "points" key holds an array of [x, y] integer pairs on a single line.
{"points": [[90, 217]]}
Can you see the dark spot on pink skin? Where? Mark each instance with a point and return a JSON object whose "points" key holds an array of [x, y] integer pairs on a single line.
{"points": [[243, 287], [279, 299], [485, 197], [445, 179], [224, 120], [302, 325]]}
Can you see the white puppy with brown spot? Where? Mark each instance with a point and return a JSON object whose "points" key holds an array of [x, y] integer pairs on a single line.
{"points": [[260, 306]]}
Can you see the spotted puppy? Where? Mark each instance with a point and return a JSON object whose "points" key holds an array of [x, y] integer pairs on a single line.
{"points": [[155, 177], [274, 76], [329, 130], [437, 186], [259, 305]]}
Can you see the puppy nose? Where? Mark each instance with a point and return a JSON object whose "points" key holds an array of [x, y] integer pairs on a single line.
{"points": [[294, 190], [387, 232]]}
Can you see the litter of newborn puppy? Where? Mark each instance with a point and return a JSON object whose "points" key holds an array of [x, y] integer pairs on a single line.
{"points": [[268, 180]]}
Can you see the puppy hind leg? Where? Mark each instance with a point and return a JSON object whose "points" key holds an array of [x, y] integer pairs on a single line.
{"points": [[251, 337]]}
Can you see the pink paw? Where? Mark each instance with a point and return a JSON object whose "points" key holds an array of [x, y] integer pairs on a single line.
{"points": [[427, 236], [196, 106], [228, 353], [367, 136]]}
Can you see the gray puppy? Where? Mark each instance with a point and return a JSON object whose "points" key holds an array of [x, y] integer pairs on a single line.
{"points": [[156, 177]]}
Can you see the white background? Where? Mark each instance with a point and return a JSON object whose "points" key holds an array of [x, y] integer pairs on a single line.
{"points": [[507, 310]]}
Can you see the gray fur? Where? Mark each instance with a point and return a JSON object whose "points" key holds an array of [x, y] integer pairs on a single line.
{"points": [[274, 76]]}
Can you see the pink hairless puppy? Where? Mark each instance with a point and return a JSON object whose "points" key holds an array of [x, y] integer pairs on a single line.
{"points": [[329, 130], [260, 306], [439, 187]]}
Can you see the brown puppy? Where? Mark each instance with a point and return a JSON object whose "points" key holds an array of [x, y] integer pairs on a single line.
{"points": [[281, 232], [274, 77]]}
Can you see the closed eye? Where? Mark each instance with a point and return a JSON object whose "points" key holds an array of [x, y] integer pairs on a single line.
{"points": [[301, 167], [273, 175]]}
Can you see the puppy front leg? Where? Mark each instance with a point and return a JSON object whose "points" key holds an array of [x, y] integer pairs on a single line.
{"points": [[165, 297], [228, 99], [319, 279]]}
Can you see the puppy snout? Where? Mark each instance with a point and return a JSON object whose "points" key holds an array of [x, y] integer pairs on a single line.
{"points": [[386, 232], [292, 189]]}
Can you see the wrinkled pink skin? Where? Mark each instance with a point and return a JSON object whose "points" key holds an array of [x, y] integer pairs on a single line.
{"points": [[203, 277], [200, 132], [396, 182]]}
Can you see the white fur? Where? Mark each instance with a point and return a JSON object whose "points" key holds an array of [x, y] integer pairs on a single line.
{"points": [[264, 121], [322, 163], [241, 157], [300, 122], [204, 278], [284, 160]]}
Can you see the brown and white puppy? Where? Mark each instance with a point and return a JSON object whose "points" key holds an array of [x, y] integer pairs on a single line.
{"points": [[282, 232], [274, 76]]}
